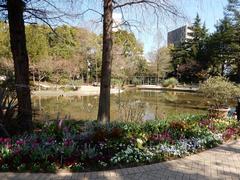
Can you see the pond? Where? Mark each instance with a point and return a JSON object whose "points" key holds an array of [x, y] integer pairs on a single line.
{"points": [[129, 105]]}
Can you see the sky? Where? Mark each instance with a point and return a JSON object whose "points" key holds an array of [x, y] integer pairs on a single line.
{"points": [[210, 12], [150, 33]]}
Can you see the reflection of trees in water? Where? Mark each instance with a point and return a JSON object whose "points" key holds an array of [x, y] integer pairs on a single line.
{"points": [[75, 106], [170, 96], [129, 106], [131, 110]]}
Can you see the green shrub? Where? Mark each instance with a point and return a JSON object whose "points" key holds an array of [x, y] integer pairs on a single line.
{"points": [[220, 90], [116, 82], [77, 167], [136, 81], [36, 167], [171, 82]]}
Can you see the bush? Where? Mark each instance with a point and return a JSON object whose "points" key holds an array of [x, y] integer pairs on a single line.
{"points": [[220, 90], [171, 82], [117, 82], [136, 81]]}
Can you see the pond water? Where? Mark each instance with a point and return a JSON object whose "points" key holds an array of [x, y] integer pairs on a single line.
{"points": [[129, 105]]}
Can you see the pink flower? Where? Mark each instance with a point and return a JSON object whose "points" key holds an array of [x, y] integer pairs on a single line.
{"points": [[17, 151], [5, 140], [68, 142], [20, 142], [165, 136]]}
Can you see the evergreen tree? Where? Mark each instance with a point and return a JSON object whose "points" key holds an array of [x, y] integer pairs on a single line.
{"points": [[220, 46], [233, 13], [197, 44], [225, 42], [193, 51]]}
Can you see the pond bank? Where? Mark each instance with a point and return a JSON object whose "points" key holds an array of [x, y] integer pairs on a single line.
{"points": [[82, 91], [158, 87]]}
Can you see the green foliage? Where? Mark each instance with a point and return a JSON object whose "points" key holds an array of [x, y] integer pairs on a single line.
{"points": [[36, 167], [62, 43], [77, 167], [220, 90], [191, 57], [162, 62], [37, 42], [67, 54], [171, 82], [136, 81], [4, 41], [128, 58], [129, 42]]}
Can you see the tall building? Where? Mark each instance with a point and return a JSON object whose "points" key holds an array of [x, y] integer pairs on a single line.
{"points": [[180, 35]]}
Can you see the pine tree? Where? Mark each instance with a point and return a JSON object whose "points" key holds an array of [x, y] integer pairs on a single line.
{"points": [[233, 13], [197, 44], [220, 46], [193, 51]]}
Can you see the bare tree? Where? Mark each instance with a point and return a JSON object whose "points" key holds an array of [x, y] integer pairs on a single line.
{"points": [[104, 100], [157, 7]]}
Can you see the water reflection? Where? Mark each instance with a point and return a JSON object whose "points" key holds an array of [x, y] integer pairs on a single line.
{"points": [[129, 105]]}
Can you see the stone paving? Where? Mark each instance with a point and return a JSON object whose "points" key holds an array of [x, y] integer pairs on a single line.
{"points": [[222, 162]]}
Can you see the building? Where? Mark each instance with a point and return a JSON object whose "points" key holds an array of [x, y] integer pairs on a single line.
{"points": [[180, 35]]}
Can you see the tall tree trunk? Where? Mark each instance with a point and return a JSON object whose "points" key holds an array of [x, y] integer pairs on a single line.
{"points": [[104, 100], [21, 63]]}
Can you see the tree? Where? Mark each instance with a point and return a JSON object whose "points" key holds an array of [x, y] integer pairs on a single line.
{"points": [[219, 46], [162, 62], [38, 49], [126, 52], [233, 13], [198, 43], [193, 51], [104, 100], [158, 7], [224, 44], [21, 63], [15, 15]]}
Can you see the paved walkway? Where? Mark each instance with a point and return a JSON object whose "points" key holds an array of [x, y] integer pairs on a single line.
{"points": [[222, 162]]}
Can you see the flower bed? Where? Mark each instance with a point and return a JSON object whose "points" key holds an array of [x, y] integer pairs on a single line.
{"points": [[95, 147]]}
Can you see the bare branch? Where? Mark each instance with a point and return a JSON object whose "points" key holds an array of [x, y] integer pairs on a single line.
{"points": [[93, 10]]}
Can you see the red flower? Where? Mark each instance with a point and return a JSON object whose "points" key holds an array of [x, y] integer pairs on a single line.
{"points": [[229, 133]]}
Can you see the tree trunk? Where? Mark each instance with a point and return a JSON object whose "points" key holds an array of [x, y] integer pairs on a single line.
{"points": [[238, 71], [104, 100], [222, 69], [21, 62]]}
